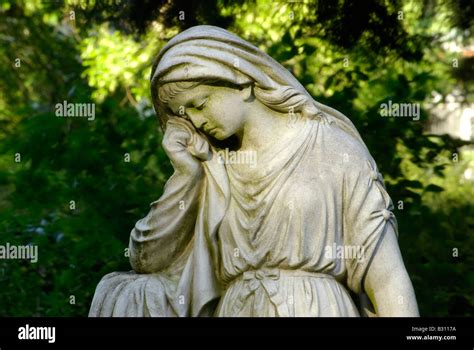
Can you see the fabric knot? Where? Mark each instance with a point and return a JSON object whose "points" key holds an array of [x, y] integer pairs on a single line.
{"points": [[261, 274], [374, 175], [387, 214], [262, 278]]}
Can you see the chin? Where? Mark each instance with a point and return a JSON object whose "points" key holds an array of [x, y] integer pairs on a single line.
{"points": [[218, 135]]}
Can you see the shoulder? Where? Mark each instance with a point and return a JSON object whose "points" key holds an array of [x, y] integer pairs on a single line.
{"points": [[343, 150]]}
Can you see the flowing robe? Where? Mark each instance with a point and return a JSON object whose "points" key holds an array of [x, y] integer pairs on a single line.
{"points": [[293, 236]]}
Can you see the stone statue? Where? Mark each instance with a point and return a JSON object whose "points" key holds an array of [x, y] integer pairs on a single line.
{"points": [[275, 208]]}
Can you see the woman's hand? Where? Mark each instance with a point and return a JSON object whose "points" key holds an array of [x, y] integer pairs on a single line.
{"points": [[185, 147]]}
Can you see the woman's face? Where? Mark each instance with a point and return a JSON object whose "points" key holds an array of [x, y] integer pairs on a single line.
{"points": [[217, 111]]}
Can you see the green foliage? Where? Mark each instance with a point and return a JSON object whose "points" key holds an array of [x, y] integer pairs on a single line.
{"points": [[349, 56]]}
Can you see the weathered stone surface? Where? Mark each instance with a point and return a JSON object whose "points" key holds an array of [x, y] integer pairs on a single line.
{"points": [[276, 207]]}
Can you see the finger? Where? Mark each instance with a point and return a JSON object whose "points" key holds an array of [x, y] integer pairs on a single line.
{"points": [[177, 122]]}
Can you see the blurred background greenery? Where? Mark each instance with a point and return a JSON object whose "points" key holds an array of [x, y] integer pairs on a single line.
{"points": [[351, 55]]}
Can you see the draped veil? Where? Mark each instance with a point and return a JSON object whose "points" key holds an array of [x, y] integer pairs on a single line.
{"points": [[208, 52]]}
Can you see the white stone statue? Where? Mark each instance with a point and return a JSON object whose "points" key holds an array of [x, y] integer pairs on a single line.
{"points": [[304, 229]]}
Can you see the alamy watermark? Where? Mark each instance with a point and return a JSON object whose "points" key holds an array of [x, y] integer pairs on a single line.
{"points": [[237, 157], [84, 110], [336, 251], [393, 109], [37, 333], [20, 252]]}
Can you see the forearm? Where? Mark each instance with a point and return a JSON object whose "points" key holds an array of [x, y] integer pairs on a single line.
{"points": [[387, 282], [395, 297], [164, 233]]}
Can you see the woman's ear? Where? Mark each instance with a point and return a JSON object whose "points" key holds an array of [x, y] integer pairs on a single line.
{"points": [[247, 93]]}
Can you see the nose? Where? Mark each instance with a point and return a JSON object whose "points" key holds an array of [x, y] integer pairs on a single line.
{"points": [[197, 119]]}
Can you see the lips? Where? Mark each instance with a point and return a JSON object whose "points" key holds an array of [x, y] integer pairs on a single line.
{"points": [[209, 130]]}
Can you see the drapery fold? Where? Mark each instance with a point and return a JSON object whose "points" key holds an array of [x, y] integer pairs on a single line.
{"points": [[187, 284]]}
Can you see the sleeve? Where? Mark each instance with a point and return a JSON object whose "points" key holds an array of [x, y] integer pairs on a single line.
{"points": [[367, 217], [159, 238]]}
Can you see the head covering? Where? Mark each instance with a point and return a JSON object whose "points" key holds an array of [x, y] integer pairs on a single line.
{"points": [[212, 53]]}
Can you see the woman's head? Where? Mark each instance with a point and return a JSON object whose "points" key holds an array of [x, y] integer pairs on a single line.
{"points": [[220, 109], [234, 67]]}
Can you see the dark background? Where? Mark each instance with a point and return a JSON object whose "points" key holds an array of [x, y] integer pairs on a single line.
{"points": [[351, 55]]}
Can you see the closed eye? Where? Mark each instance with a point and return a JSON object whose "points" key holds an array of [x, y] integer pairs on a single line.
{"points": [[201, 105]]}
